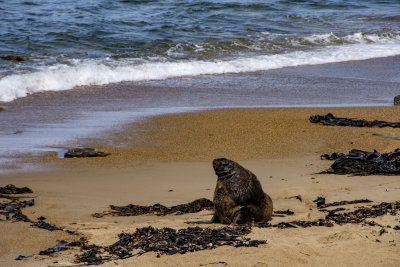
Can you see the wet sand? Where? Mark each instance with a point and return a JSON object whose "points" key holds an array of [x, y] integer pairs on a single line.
{"points": [[174, 152]]}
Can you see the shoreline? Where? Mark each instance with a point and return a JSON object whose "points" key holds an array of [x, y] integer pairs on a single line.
{"points": [[47, 121], [167, 160]]}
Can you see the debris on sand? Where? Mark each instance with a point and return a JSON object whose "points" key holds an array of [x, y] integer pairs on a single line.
{"points": [[296, 197], [357, 216], [321, 202], [12, 210], [169, 241], [158, 209], [329, 119], [44, 225], [284, 212], [54, 249], [86, 152], [359, 162], [60, 246]]}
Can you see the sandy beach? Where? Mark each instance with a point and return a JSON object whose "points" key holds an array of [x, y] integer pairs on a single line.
{"points": [[167, 160]]}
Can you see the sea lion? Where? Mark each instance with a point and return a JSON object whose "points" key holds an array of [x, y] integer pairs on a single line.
{"points": [[238, 196]]}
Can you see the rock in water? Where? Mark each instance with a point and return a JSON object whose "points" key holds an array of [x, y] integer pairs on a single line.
{"points": [[396, 100], [12, 58], [238, 196], [86, 152]]}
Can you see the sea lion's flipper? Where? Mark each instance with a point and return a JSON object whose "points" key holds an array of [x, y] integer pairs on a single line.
{"points": [[215, 219], [243, 216]]}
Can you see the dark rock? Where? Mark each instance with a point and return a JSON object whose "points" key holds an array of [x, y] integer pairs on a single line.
{"points": [[331, 120], [396, 100], [12, 189], [12, 58], [84, 153], [360, 162]]}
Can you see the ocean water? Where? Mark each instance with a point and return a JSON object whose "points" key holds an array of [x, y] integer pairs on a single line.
{"points": [[67, 44]]}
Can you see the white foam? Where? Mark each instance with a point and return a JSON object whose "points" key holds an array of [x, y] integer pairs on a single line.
{"points": [[89, 72]]}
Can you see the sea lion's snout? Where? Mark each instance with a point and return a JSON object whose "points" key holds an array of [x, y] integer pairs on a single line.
{"points": [[221, 165]]}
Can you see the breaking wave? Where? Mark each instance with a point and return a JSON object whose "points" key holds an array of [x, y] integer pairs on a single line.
{"points": [[89, 72]]}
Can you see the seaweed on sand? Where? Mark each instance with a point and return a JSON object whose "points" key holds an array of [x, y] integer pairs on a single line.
{"points": [[359, 162], [329, 119], [158, 209]]}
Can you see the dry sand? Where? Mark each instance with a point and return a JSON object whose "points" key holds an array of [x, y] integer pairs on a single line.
{"points": [[174, 152]]}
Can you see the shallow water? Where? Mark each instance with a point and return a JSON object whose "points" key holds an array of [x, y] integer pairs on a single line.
{"points": [[54, 120]]}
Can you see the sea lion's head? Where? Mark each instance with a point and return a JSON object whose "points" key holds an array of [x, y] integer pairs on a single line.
{"points": [[223, 166]]}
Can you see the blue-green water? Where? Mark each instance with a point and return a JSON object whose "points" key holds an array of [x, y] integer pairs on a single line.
{"points": [[73, 43]]}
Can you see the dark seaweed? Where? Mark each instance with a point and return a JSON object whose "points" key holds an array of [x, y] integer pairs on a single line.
{"points": [[360, 162], [330, 119], [359, 215], [345, 202], [169, 241], [295, 224], [54, 249], [44, 225], [285, 212], [12, 210], [158, 209], [90, 257], [320, 201]]}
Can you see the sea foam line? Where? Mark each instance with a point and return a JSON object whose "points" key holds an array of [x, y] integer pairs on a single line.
{"points": [[64, 77]]}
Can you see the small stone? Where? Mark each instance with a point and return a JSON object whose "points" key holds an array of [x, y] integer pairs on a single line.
{"points": [[396, 100], [12, 58]]}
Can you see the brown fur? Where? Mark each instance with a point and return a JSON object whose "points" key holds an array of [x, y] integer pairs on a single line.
{"points": [[238, 196]]}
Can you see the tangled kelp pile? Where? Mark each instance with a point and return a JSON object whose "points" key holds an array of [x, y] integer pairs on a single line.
{"points": [[361, 214], [169, 241], [329, 119], [335, 216], [12, 210], [321, 202], [158, 209], [359, 162]]}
